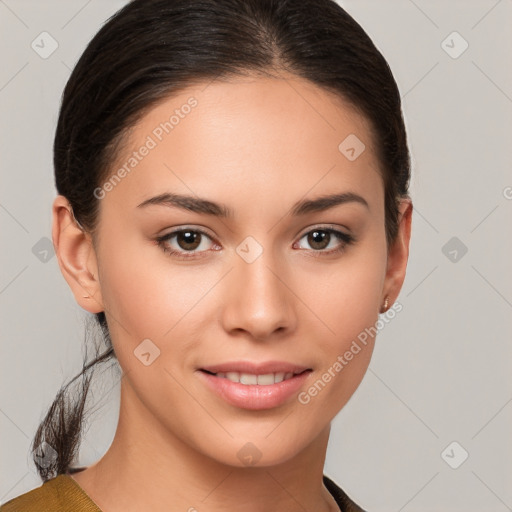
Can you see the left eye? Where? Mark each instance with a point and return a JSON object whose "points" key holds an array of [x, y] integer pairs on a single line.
{"points": [[321, 238]]}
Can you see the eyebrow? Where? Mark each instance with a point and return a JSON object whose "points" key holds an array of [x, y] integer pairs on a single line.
{"points": [[204, 206]]}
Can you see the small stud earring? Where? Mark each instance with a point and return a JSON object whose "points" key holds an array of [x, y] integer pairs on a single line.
{"points": [[386, 302]]}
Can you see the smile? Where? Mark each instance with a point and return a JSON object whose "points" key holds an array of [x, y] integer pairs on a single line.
{"points": [[255, 391], [251, 378]]}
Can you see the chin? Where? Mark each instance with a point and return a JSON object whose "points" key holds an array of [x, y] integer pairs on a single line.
{"points": [[258, 451]]}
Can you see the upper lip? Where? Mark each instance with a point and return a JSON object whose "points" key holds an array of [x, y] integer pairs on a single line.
{"points": [[255, 368]]}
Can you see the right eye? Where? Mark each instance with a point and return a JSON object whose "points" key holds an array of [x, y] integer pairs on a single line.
{"points": [[188, 241]]}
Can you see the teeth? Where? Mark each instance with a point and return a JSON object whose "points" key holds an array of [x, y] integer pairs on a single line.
{"points": [[250, 378], [278, 377], [266, 379]]}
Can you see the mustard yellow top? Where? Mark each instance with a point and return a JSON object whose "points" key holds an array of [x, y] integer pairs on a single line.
{"points": [[63, 494], [59, 494]]}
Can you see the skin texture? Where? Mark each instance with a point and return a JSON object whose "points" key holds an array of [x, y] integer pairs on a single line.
{"points": [[257, 145]]}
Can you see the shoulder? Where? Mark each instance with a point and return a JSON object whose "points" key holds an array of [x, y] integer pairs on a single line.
{"points": [[342, 499], [59, 494]]}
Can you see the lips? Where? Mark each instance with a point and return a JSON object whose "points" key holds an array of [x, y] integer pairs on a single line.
{"points": [[255, 385], [254, 368]]}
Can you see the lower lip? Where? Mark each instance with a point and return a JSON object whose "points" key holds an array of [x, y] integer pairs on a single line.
{"points": [[254, 396]]}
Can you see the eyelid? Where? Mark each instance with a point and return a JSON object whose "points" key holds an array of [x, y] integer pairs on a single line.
{"points": [[178, 229], [327, 227]]}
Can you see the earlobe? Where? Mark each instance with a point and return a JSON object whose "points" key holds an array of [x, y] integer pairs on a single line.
{"points": [[398, 253], [76, 256]]}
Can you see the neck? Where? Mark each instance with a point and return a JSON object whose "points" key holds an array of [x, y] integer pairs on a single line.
{"points": [[160, 471]]}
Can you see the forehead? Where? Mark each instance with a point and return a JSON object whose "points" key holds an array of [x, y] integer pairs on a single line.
{"points": [[246, 137]]}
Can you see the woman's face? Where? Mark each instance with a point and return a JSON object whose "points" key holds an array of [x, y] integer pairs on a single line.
{"points": [[266, 282]]}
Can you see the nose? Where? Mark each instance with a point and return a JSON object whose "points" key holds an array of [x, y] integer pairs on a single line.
{"points": [[257, 300]]}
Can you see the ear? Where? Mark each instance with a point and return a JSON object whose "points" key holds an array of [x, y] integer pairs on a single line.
{"points": [[398, 253], [76, 256]]}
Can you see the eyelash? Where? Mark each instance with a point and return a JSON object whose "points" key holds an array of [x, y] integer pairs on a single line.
{"points": [[344, 237]]}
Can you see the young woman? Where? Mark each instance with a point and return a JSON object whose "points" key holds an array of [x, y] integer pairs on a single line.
{"points": [[233, 208]]}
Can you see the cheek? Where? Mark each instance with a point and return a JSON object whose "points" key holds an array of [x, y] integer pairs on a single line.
{"points": [[145, 291], [349, 310], [346, 294], [346, 300]]}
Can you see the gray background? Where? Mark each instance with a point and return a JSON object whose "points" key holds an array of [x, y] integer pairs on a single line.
{"points": [[441, 369]]}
